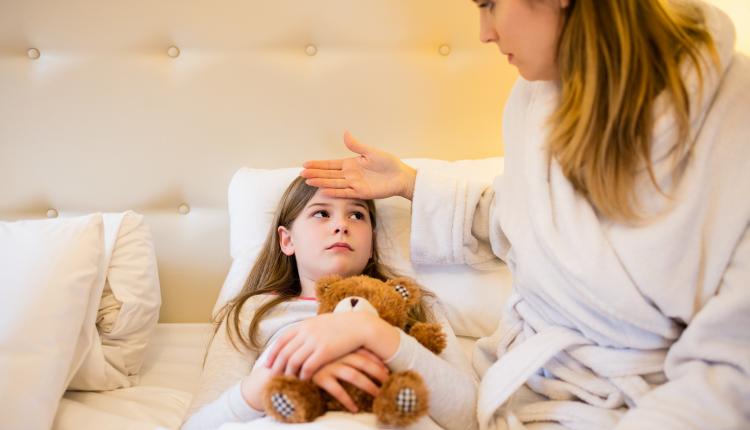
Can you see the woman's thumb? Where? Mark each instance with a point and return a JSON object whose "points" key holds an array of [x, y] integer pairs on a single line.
{"points": [[354, 145]]}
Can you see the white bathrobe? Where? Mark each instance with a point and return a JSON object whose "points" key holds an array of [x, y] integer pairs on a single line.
{"points": [[611, 325]]}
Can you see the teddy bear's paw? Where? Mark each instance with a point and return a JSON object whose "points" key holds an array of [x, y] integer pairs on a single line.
{"points": [[431, 336], [402, 400], [406, 401], [290, 400], [282, 405]]}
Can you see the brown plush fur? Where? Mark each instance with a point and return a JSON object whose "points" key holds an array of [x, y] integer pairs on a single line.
{"points": [[386, 410], [392, 300]]}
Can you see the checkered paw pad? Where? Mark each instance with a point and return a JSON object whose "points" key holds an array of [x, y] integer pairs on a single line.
{"points": [[402, 290], [406, 401], [283, 406]]}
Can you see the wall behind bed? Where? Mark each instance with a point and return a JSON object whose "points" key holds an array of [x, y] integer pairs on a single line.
{"points": [[152, 106]]}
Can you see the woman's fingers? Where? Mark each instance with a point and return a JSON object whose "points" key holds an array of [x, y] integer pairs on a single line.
{"points": [[323, 164], [311, 173], [354, 145], [328, 183], [329, 383]]}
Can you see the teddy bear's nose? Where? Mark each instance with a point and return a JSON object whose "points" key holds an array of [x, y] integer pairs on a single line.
{"points": [[354, 302]]}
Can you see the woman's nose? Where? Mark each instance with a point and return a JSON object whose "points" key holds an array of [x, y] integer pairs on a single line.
{"points": [[487, 31]]}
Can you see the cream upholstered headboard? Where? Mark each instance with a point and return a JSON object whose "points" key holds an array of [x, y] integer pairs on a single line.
{"points": [[153, 105]]}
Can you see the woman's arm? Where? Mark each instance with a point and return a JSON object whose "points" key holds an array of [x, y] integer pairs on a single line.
{"points": [[708, 368], [454, 221], [451, 217]]}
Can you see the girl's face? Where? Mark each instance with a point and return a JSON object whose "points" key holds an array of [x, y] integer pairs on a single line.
{"points": [[526, 31], [329, 236]]}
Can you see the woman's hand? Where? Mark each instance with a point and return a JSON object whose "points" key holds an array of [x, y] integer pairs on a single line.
{"points": [[307, 346], [359, 369], [371, 175]]}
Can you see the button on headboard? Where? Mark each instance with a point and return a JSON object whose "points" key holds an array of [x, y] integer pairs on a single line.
{"points": [[152, 106]]}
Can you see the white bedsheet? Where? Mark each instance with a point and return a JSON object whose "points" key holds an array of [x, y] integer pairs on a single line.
{"points": [[170, 373]]}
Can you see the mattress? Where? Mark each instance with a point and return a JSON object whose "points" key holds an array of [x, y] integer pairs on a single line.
{"points": [[170, 374]]}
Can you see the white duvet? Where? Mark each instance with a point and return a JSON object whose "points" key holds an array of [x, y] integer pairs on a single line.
{"points": [[169, 376], [329, 421]]}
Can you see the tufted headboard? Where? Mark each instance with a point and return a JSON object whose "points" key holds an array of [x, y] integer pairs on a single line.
{"points": [[153, 105]]}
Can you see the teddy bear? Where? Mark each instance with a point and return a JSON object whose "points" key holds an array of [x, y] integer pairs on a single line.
{"points": [[403, 397]]}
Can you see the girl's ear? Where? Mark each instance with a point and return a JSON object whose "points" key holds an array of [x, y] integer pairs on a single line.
{"points": [[285, 241], [564, 4]]}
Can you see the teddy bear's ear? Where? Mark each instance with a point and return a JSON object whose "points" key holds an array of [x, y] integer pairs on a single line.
{"points": [[321, 287], [407, 288]]}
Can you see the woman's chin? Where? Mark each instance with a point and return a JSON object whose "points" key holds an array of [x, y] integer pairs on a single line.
{"points": [[534, 75]]}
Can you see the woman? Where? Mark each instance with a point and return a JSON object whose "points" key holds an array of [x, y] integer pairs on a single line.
{"points": [[623, 213]]}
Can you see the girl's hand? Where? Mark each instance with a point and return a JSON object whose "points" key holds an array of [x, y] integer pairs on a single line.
{"points": [[307, 346], [252, 386], [371, 175], [357, 368]]}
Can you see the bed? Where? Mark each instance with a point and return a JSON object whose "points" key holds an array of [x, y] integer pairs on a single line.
{"points": [[159, 107]]}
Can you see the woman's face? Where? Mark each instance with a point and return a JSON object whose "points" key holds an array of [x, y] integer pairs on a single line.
{"points": [[526, 31]]}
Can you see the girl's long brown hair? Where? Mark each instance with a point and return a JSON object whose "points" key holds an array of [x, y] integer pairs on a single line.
{"points": [[615, 57], [275, 273]]}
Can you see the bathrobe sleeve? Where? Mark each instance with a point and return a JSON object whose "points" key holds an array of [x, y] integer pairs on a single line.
{"points": [[451, 222], [708, 368]]}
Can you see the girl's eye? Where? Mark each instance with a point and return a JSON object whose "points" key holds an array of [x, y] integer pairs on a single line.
{"points": [[320, 214], [358, 215]]}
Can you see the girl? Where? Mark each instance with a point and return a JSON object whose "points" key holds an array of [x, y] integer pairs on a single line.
{"points": [[623, 212], [313, 236]]}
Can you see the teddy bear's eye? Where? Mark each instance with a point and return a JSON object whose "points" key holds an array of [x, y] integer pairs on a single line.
{"points": [[402, 290]]}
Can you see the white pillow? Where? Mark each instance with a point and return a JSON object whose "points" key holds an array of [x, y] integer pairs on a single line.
{"points": [[473, 299], [50, 283], [129, 307]]}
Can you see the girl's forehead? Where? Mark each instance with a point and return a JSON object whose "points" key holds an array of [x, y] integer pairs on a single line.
{"points": [[319, 199]]}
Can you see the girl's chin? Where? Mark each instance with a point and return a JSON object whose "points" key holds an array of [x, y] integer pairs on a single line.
{"points": [[344, 272]]}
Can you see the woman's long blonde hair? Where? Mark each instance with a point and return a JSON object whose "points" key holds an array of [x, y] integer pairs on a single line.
{"points": [[614, 58], [275, 273]]}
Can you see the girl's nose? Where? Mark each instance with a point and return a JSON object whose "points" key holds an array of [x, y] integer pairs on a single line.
{"points": [[341, 228]]}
